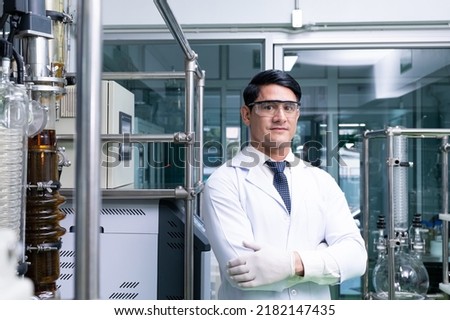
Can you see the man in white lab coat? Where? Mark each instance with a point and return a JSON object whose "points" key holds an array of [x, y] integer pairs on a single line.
{"points": [[268, 247]]}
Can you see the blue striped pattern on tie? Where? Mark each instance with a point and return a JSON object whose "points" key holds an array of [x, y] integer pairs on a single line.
{"points": [[280, 181]]}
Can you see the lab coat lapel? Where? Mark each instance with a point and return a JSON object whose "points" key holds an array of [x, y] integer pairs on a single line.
{"points": [[257, 177], [255, 174]]}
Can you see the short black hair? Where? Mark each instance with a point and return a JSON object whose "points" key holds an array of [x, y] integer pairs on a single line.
{"points": [[272, 76]]}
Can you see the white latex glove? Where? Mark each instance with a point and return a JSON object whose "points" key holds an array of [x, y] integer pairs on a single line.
{"points": [[264, 266]]}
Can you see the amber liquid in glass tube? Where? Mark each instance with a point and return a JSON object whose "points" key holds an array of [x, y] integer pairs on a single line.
{"points": [[58, 69], [42, 230]]}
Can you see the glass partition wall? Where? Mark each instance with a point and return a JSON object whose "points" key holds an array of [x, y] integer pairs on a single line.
{"points": [[159, 104], [347, 92]]}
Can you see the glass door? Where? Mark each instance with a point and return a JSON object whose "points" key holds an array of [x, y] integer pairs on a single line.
{"points": [[348, 91]]}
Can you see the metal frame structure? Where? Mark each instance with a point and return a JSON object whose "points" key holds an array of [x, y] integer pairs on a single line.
{"points": [[389, 134], [88, 193]]}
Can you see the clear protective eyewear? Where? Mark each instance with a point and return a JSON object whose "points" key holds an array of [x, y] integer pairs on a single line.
{"points": [[269, 108]]}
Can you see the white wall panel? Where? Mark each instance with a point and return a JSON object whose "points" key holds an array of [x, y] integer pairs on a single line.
{"points": [[275, 12]]}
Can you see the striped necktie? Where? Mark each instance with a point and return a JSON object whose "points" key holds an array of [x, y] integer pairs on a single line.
{"points": [[280, 181]]}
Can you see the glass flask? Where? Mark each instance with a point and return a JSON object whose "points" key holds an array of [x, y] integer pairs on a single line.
{"points": [[411, 280], [14, 105]]}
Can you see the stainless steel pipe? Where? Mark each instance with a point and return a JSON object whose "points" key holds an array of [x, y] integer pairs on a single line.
{"points": [[175, 28], [88, 148], [176, 193], [129, 138], [192, 70], [142, 75]]}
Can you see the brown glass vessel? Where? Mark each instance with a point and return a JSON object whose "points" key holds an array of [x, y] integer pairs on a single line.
{"points": [[42, 230]]}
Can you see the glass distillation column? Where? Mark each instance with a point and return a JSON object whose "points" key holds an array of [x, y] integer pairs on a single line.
{"points": [[410, 275], [14, 118], [45, 57]]}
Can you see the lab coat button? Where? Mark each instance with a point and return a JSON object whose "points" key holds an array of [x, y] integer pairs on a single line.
{"points": [[294, 292]]}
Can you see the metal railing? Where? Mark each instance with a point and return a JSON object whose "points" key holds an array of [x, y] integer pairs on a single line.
{"points": [[88, 193]]}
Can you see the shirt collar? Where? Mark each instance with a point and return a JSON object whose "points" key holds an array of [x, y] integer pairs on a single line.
{"points": [[263, 157], [249, 157]]}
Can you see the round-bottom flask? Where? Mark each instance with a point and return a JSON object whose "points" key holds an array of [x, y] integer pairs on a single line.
{"points": [[411, 280]]}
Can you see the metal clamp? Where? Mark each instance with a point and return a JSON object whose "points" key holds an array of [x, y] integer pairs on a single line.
{"points": [[50, 186], [395, 162], [198, 187], [62, 159], [44, 247], [183, 137]]}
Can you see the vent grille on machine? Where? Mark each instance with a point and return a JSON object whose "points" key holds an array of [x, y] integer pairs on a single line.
{"points": [[68, 105], [123, 212], [112, 211], [67, 265], [174, 297], [67, 253], [65, 276], [68, 211], [122, 296], [125, 295], [129, 284]]}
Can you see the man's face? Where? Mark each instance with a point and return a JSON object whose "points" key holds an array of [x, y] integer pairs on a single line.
{"points": [[272, 134]]}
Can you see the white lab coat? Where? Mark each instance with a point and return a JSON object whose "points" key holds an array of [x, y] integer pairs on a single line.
{"points": [[241, 203]]}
